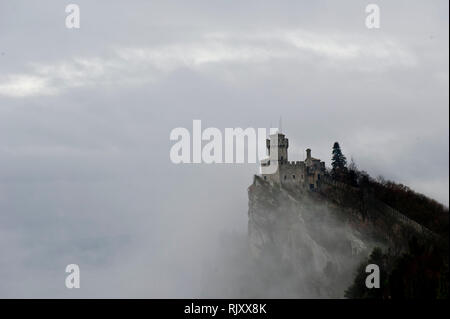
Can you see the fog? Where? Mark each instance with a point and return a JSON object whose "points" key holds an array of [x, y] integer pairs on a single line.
{"points": [[85, 118]]}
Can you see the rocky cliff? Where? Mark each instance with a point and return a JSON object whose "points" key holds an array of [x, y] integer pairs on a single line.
{"points": [[304, 244]]}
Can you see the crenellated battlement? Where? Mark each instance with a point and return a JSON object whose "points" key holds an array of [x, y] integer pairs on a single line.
{"points": [[305, 174], [296, 163]]}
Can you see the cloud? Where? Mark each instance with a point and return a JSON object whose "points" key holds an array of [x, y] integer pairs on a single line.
{"points": [[85, 117], [137, 65], [23, 85]]}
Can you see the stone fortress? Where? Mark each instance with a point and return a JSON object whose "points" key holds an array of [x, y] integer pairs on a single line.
{"points": [[278, 169]]}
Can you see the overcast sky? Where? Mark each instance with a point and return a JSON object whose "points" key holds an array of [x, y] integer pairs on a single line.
{"points": [[85, 118]]}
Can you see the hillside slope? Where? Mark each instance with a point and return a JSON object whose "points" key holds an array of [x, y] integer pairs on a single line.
{"points": [[310, 244]]}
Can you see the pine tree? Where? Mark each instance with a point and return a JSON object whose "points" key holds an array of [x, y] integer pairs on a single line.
{"points": [[338, 161]]}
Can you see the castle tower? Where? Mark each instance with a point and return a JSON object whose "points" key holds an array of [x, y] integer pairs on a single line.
{"points": [[277, 169], [277, 147]]}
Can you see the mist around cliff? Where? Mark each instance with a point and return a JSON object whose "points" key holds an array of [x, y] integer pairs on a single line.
{"points": [[293, 250]]}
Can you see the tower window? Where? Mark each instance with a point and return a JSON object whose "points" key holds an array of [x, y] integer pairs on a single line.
{"points": [[285, 176], [293, 176]]}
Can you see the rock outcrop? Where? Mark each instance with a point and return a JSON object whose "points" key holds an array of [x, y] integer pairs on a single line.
{"points": [[303, 244]]}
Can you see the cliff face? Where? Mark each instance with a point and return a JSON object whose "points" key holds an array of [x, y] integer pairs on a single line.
{"points": [[304, 245]]}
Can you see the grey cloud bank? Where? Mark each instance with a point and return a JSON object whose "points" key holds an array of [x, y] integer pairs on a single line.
{"points": [[85, 117]]}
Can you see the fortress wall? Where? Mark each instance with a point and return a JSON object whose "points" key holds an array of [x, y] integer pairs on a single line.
{"points": [[292, 173]]}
